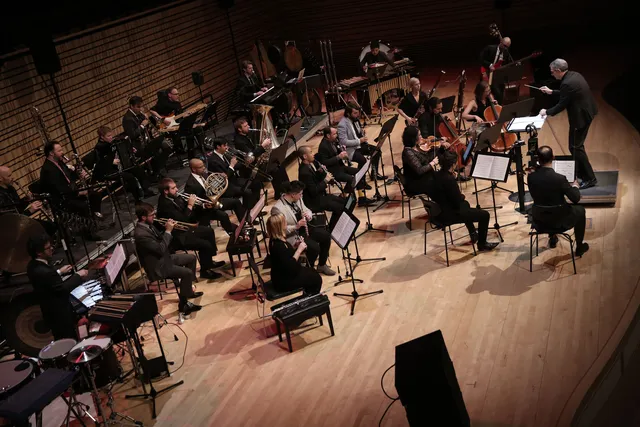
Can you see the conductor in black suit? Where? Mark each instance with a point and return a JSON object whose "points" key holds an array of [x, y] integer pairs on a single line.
{"points": [[248, 85], [153, 249], [316, 180], [576, 98], [205, 214], [549, 188], [219, 162], [53, 294]]}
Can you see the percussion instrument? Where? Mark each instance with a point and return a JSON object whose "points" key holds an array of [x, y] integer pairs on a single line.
{"points": [[13, 375], [353, 82], [54, 355], [384, 47], [96, 354], [394, 83]]}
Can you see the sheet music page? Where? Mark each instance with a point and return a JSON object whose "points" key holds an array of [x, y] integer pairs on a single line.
{"points": [[566, 168], [499, 167], [342, 230], [521, 123], [362, 171], [115, 262], [482, 169]]}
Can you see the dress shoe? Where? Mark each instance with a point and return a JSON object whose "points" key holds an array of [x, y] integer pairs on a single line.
{"points": [[487, 246], [324, 269], [582, 248], [210, 274], [189, 308], [553, 241], [588, 184], [379, 177], [195, 295], [474, 238], [364, 201], [218, 264]]}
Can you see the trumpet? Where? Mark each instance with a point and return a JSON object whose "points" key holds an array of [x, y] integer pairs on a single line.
{"points": [[182, 226], [200, 201]]}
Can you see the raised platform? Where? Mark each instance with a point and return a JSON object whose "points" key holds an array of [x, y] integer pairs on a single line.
{"points": [[606, 192]]}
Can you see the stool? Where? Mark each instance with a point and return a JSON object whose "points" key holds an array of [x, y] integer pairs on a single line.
{"points": [[316, 306]]}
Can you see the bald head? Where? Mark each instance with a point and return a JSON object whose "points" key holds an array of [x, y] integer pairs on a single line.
{"points": [[545, 156], [305, 154], [5, 176], [197, 166], [506, 42]]}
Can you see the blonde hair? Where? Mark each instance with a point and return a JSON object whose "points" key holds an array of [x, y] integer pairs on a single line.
{"points": [[413, 81], [277, 227]]}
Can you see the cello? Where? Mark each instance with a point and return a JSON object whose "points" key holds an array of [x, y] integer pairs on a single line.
{"points": [[506, 140]]}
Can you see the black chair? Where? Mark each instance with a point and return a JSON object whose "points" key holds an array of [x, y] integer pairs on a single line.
{"points": [[265, 291], [407, 197], [436, 223], [548, 220]]}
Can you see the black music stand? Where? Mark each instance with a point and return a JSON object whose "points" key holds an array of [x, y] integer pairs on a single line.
{"points": [[385, 134], [447, 104], [485, 139], [342, 233], [352, 186], [493, 167], [504, 75]]}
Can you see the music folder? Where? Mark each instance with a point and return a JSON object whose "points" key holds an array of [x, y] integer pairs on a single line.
{"points": [[491, 166], [344, 229], [565, 165]]}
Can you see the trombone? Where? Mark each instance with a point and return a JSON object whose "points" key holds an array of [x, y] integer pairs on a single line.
{"points": [[200, 201], [182, 226], [247, 160]]}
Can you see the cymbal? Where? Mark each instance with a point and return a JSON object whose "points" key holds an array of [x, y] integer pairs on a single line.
{"points": [[15, 231], [84, 354]]}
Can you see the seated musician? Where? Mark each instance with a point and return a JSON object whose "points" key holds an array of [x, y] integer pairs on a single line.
{"points": [[418, 164], [455, 209], [52, 292], [474, 111], [221, 162], [286, 272], [136, 126], [375, 56], [491, 57], [10, 201], [315, 178], [248, 84], [57, 179], [352, 136], [199, 238], [205, 214], [549, 188], [152, 247], [432, 118], [298, 218], [107, 166], [242, 142], [168, 105], [336, 159], [412, 107]]}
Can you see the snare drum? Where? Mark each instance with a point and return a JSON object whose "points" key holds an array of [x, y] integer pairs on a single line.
{"points": [[13, 375], [105, 366], [54, 355]]}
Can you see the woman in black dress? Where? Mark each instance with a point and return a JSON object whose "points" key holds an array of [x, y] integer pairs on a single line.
{"points": [[286, 273]]}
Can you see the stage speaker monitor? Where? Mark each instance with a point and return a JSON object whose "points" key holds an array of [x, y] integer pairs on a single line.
{"points": [[427, 385], [197, 78]]}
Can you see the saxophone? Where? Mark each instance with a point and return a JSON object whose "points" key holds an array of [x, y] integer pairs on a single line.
{"points": [[261, 115]]}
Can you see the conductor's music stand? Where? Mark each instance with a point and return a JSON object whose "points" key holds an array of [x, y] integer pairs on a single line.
{"points": [[342, 233]]}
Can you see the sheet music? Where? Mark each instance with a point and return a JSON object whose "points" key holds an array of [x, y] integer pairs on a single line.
{"points": [[519, 124], [115, 263], [566, 168], [256, 209], [362, 172], [342, 230], [492, 168], [89, 293]]}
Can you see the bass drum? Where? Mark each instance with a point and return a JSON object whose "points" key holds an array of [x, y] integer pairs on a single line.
{"points": [[384, 47], [24, 327]]}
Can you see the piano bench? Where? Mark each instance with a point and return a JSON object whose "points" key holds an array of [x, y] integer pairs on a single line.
{"points": [[273, 295], [294, 318]]}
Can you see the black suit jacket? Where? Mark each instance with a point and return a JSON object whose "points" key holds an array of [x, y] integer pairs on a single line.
{"points": [[153, 249], [53, 295], [131, 125], [244, 144], [247, 87], [488, 54], [446, 193], [577, 99], [328, 155], [216, 164], [53, 181], [193, 187], [10, 200], [175, 209], [314, 183], [105, 154]]}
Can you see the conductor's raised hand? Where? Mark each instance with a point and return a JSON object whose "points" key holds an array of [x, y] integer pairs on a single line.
{"points": [[545, 89]]}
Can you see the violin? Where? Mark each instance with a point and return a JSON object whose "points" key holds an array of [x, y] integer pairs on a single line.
{"points": [[506, 140]]}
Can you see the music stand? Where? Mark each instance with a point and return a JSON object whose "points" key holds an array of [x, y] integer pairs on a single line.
{"points": [[512, 73], [485, 139], [492, 167], [447, 104], [352, 185], [385, 134], [342, 233]]}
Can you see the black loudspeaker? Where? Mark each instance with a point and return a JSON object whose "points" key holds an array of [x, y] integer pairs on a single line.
{"points": [[44, 54], [197, 78], [427, 384]]}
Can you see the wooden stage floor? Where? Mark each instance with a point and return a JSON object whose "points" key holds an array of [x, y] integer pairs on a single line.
{"points": [[525, 345]]}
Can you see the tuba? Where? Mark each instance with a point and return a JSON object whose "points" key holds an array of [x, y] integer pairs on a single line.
{"points": [[215, 185], [261, 116]]}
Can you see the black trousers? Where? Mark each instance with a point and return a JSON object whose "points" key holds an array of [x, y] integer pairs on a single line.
{"points": [[159, 151], [577, 137], [366, 150], [308, 279], [205, 216], [345, 174], [318, 244], [249, 196], [279, 177], [578, 221], [201, 239], [467, 216], [83, 205], [183, 270], [326, 202]]}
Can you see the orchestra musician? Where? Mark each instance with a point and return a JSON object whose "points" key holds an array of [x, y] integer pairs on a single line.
{"points": [[199, 238], [51, 291], [242, 142], [474, 111], [10, 201], [159, 263], [248, 84], [375, 56], [298, 218], [205, 214], [136, 126], [455, 209], [218, 161], [352, 136], [412, 107], [57, 179], [108, 164], [432, 117], [316, 178], [168, 104], [576, 97], [286, 272], [491, 57], [418, 165], [549, 188], [335, 158]]}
